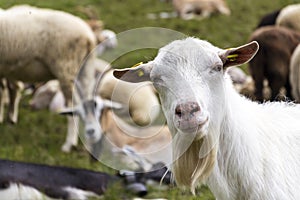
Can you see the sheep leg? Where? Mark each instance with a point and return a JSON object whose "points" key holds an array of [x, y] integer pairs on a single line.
{"points": [[14, 90], [2, 99], [72, 134], [275, 85], [258, 88]]}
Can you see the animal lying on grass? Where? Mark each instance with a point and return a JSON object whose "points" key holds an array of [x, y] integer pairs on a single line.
{"points": [[239, 148], [30, 181], [189, 9]]}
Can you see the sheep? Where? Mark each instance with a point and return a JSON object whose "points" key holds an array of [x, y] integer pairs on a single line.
{"points": [[42, 44], [295, 74], [272, 61], [151, 141], [187, 9], [106, 39], [289, 17], [239, 148]]}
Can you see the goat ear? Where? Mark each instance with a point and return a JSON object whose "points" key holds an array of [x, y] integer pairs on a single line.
{"points": [[68, 111], [239, 55], [137, 73], [112, 104]]}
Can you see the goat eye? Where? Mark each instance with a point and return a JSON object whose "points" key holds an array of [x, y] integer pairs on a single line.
{"points": [[218, 67]]}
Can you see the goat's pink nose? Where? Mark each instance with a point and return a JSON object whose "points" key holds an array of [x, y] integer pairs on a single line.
{"points": [[187, 109]]}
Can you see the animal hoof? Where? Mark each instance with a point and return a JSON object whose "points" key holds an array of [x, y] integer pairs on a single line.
{"points": [[66, 148]]}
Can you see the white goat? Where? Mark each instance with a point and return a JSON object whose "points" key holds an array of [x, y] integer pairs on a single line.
{"points": [[188, 9], [295, 74], [42, 44], [241, 149], [152, 142]]}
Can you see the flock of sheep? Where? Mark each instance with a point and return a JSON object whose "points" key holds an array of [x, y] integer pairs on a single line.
{"points": [[240, 148]]}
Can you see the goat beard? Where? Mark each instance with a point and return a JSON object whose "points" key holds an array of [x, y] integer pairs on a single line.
{"points": [[193, 165]]}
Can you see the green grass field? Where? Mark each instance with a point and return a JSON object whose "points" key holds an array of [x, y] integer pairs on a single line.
{"points": [[39, 134]]}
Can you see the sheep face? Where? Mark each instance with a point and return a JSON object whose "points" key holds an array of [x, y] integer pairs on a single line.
{"points": [[90, 113], [189, 77]]}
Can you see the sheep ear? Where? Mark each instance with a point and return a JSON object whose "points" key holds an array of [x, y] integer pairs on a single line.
{"points": [[112, 104], [135, 74], [239, 55]]}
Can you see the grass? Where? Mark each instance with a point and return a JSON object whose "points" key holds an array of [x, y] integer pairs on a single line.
{"points": [[39, 134]]}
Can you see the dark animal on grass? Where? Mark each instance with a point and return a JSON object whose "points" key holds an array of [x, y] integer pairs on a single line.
{"points": [[23, 181], [269, 19], [273, 59]]}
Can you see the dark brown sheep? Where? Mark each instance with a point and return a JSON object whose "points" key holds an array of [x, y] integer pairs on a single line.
{"points": [[273, 58]]}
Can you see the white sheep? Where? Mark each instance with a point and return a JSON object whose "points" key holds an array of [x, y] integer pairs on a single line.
{"points": [[239, 148], [188, 9], [295, 73], [289, 17], [42, 44], [106, 39]]}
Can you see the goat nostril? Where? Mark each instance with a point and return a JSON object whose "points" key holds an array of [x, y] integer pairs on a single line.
{"points": [[189, 108], [178, 111], [195, 108], [90, 132]]}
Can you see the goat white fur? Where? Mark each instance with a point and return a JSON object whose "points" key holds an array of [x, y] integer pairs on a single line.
{"points": [[295, 74], [188, 9], [289, 17], [241, 149], [42, 44]]}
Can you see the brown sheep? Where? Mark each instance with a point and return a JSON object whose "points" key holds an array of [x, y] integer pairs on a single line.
{"points": [[273, 58]]}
